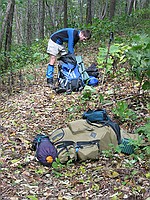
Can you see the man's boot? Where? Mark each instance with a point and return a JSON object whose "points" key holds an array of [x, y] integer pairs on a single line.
{"points": [[50, 82]]}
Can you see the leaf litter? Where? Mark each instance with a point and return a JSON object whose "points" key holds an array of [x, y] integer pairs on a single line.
{"points": [[37, 109]]}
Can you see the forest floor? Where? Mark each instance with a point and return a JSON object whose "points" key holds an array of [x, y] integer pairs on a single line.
{"points": [[37, 109]]}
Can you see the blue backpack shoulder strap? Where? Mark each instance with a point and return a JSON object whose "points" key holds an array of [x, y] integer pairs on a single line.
{"points": [[116, 129]]}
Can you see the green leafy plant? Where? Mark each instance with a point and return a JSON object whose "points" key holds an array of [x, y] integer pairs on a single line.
{"points": [[40, 171], [87, 92], [113, 149], [138, 56], [58, 166], [115, 57], [129, 162], [123, 112], [144, 131], [22, 56], [32, 197], [101, 98]]}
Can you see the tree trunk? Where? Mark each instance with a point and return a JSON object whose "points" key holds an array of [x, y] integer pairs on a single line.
{"points": [[135, 4], [88, 12], [112, 8], [126, 7], [9, 27], [50, 14], [18, 27], [5, 22], [81, 11], [130, 7], [65, 14], [29, 27], [103, 10], [8, 39], [41, 18]]}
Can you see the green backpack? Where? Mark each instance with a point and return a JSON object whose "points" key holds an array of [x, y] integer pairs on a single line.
{"points": [[82, 141]]}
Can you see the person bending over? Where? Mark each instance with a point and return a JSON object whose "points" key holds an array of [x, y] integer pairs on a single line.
{"points": [[55, 46]]}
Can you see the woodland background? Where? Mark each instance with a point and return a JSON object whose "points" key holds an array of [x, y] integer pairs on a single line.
{"points": [[28, 107]]}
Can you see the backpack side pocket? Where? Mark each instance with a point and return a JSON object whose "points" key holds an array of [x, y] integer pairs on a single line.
{"points": [[88, 150], [66, 151]]}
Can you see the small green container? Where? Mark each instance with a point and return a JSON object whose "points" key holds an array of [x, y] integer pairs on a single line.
{"points": [[126, 148]]}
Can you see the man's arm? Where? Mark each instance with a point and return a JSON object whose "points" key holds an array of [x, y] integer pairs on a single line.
{"points": [[70, 41]]}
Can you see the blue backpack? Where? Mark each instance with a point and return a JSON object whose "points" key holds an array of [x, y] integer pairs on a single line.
{"points": [[46, 152], [69, 77]]}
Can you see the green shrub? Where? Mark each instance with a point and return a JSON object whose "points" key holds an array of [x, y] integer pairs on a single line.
{"points": [[138, 56]]}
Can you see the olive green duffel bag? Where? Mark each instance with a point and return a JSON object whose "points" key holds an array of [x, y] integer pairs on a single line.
{"points": [[82, 141]]}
